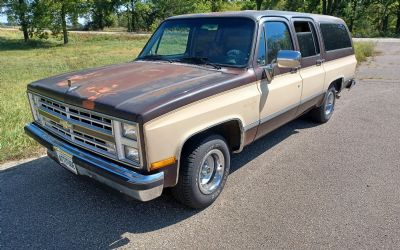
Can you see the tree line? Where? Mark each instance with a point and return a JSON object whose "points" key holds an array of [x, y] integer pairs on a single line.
{"points": [[365, 18]]}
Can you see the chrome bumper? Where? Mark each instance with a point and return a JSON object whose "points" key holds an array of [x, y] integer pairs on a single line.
{"points": [[133, 184]]}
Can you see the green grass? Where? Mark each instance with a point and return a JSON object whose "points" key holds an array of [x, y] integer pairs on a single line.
{"points": [[364, 50], [22, 63]]}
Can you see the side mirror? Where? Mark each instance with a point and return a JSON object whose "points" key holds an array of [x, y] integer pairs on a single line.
{"points": [[288, 59]]}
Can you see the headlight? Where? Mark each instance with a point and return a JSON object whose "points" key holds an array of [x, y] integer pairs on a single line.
{"points": [[131, 153], [34, 103], [129, 131], [127, 139]]}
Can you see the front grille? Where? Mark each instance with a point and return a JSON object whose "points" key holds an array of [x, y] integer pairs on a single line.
{"points": [[75, 114], [85, 128]]}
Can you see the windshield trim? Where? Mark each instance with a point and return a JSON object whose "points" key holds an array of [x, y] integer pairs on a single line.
{"points": [[249, 63]]}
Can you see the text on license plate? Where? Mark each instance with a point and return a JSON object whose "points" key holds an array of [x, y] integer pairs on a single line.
{"points": [[65, 160]]}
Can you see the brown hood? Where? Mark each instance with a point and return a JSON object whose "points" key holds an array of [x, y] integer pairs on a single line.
{"points": [[138, 91]]}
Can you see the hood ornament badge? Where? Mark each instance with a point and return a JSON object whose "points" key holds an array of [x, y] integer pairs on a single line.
{"points": [[70, 88]]}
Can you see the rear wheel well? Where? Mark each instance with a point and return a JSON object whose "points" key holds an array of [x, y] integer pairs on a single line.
{"points": [[230, 130], [337, 84]]}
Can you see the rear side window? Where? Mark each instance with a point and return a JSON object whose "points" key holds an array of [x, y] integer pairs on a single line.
{"points": [[278, 38], [335, 36], [307, 38]]}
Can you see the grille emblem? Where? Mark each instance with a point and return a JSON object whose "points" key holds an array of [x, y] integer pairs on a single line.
{"points": [[66, 124]]}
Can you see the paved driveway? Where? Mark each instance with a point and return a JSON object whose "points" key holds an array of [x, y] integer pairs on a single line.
{"points": [[303, 186]]}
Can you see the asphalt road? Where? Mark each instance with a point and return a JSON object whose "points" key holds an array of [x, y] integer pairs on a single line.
{"points": [[303, 186]]}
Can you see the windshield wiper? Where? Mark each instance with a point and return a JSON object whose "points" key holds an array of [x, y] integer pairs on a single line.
{"points": [[155, 58], [197, 60]]}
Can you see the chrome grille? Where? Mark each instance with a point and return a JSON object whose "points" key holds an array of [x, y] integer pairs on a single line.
{"points": [[83, 127], [75, 114]]}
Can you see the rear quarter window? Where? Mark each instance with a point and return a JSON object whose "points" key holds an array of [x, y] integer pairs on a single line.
{"points": [[335, 36]]}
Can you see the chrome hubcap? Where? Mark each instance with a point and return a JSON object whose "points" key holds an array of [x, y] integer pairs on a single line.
{"points": [[329, 103], [211, 171]]}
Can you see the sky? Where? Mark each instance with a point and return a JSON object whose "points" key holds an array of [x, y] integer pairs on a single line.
{"points": [[3, 18]]}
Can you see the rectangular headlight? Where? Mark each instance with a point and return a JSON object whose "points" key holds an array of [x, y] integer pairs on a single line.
{"points": [[34, 102], [129, 131], [131, 153]]}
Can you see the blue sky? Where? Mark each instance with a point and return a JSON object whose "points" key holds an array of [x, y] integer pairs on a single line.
{"points": [[3, 18]]}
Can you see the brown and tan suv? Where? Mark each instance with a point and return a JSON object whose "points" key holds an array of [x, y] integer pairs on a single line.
{"points": [[204, 86]]}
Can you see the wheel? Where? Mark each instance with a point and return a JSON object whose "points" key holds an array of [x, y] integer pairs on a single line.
{"points": [[203, 172], [324, 112]]}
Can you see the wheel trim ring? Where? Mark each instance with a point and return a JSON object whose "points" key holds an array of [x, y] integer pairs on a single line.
{"points": [[329, 105], [210, 182]]}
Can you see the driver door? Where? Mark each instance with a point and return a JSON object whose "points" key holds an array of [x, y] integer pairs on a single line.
{"points": [[280, 97]]}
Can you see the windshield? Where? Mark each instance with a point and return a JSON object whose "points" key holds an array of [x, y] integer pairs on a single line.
{"points": [[211, 41]]}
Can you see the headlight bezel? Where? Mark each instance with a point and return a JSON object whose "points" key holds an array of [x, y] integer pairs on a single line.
{"points": [[33, 103], [122, 141]]}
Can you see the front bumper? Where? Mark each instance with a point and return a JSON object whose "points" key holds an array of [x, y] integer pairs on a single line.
{"points": [[133, 184]]}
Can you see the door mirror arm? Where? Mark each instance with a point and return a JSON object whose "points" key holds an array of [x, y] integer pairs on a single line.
{"points": [[269, 71]]}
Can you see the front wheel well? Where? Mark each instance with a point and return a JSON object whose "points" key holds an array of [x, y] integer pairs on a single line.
{"points": [[230, 130]]}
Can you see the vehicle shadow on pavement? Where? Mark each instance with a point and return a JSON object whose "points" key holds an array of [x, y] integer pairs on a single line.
{"points": [[43, 205], [265, 143]]}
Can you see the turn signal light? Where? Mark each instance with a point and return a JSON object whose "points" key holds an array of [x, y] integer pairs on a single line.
{"points": [[163, 163]]}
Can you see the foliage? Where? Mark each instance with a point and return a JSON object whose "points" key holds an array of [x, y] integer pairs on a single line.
{"points": [[365, 18], [363, 50]]}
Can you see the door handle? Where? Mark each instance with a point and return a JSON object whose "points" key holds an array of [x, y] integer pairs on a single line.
{"points": [[320, 61]]}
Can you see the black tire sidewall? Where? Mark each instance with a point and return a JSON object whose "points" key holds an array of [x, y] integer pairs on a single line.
{"points": [[199, 199]]}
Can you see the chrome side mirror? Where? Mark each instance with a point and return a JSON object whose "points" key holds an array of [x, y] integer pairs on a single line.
{"points": [[288, 59]]}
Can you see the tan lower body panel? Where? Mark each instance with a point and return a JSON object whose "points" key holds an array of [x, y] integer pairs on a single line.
{"points": [[340, 68]]}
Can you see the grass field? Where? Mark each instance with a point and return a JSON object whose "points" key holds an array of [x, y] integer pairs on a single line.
{"points": [[22, 63]]}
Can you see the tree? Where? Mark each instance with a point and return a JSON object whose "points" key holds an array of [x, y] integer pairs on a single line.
{"points": [[100, 13], [398, 18], [55, 15], [258, 4], [19, 11]]}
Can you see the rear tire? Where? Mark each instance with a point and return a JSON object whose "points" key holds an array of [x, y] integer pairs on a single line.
{"points": [[323, 113], [203, 172]]}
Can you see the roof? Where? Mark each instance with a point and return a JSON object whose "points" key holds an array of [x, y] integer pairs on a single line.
{"points": [[256, 15]]}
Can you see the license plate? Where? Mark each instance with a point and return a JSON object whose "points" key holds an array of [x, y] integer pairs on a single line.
{"points": [[65, 160]]}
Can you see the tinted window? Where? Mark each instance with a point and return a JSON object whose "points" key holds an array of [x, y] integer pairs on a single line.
{"points": [[173, 41], [221, 41], [278, 38], [307, 39], [335, 36], [261, 50]]}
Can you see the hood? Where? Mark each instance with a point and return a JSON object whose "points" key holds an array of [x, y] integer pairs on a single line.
{"points": [[136, 91]]}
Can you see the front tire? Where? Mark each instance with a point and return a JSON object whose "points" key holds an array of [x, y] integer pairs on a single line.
{"points": [[323, 113], [203, 172]]}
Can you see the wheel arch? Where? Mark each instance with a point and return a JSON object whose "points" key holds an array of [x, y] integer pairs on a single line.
{"points": [[337, 83], [232, 130]]}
